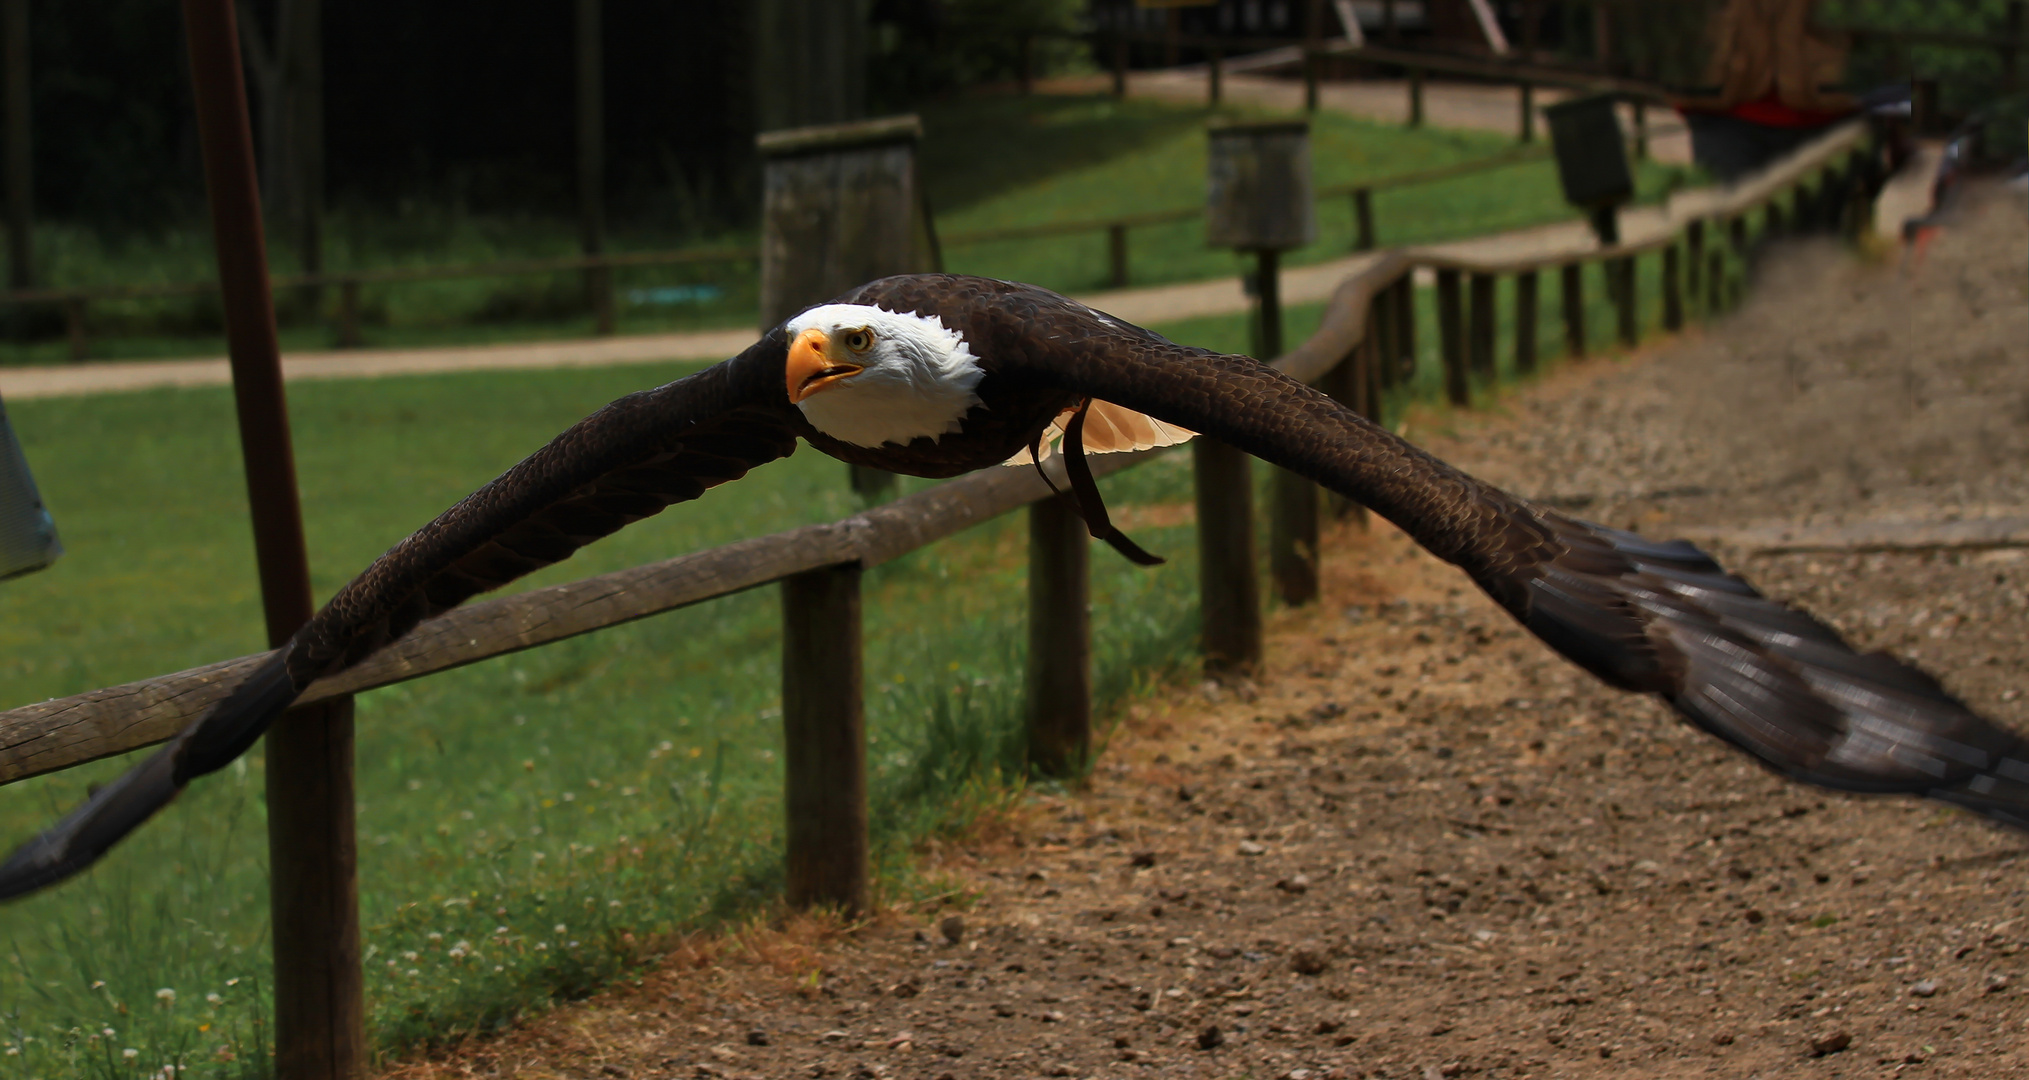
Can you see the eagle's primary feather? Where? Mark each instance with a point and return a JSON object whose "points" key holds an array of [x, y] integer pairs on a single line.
{"points": [[1659, 618]]}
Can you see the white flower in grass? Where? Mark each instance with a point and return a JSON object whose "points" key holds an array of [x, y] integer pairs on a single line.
{"points": [[130, 1053], [166, 996], [98, 984], [108, 1032], [411, 956], [213, 997], [559, 928], [13, 1051]]}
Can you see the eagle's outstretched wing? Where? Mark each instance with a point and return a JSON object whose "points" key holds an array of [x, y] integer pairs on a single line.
{"points": [[1660, 618], [623, 463]]}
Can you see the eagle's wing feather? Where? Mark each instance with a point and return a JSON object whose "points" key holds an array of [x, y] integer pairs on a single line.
{"points": [[623, 463], [1656, 617]]}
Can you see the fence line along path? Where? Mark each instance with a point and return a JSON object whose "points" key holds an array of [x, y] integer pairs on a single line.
{"points": [[1640, 226], [1365, 343]]}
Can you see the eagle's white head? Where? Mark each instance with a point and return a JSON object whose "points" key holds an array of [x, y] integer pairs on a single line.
{"points": [[869, 377]]}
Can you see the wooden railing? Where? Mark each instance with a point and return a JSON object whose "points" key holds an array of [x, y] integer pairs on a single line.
{"points": [[1365, 343]]}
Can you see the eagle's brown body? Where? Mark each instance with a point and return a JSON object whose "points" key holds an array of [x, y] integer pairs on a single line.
{"points": [[1658, 618]]}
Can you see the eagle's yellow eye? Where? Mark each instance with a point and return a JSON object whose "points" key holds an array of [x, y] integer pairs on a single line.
{"points": [[859, 340]]}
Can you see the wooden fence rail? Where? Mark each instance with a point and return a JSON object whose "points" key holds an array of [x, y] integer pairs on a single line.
{"points": [[61, 733], [75, 301]]}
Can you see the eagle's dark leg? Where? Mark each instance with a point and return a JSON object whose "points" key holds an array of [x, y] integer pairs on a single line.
{"points": [[1087, 493]]}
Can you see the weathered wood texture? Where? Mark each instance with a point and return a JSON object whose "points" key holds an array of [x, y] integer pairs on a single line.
{"points": [[1229, 599], [313, 894], [58, 734], [1673, 292], [1526, 304], [1484, 318], [1059, 674], [1259, 189], [1451, 338], [1573, 280], [1626, 299], [1293, 538], [838, 208], [824, 740]]}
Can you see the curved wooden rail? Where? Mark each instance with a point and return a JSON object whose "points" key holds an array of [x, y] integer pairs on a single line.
{"points": [[1367, 331]]}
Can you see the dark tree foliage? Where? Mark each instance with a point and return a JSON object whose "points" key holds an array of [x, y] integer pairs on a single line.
{"points": [[115, 139]]}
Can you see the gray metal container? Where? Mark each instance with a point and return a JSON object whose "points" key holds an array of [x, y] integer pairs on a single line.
{"points": [[27, 535]]}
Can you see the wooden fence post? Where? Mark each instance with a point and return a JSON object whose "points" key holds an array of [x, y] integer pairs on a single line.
{"points": [[1218, 70], [1116, 255], [1736, 233], [74, 326], [1528, 119], [1059, 676], [1525, 321], [1363, 219], [1229, 600], [1772, 223], [1715, 282], [1483, 320], [1354, 383], [824, 739], [313, 895], [1026, 73], [1673, 293], [1627, 299], [1384, 349], [348, 314], [1573, 275], [1405, 326], [1416, 97], [1694, 240], [1641, 130], [1259, 199], [1293, 537], [1451, 338], [839, 208], [1310, 63], [1120, 66]]}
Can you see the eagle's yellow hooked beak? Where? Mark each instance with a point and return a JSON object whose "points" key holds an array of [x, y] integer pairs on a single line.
{"points": [[812, 367]]}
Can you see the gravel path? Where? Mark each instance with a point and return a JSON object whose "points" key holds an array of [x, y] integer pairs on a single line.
{"points": [[1423, 847]]}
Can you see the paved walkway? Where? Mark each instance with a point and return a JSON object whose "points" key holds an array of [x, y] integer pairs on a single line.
{"points": [[1465, 106], [1152, 305]]}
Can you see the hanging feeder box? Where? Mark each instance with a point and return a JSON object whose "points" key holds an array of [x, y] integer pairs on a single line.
{"points": [[27, 535], [1592, 160], [1260, 194]]}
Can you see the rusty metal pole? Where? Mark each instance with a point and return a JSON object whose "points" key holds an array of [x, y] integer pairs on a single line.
{"points": [[313, 897]]}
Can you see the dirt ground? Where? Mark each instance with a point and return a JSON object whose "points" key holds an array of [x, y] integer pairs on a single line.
{"points": [[1422, 846]]}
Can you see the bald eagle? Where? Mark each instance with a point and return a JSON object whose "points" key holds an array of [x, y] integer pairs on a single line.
{"points": [[937, 375]]}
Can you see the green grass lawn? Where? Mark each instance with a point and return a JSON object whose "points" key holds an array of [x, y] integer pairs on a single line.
{"points": [[988, 163]]}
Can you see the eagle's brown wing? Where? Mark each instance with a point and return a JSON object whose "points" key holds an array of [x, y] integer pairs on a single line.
{"points": [[623, 463], [1660, 618]]}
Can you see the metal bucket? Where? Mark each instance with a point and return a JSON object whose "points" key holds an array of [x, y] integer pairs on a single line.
{"points": [[27, 535]]}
